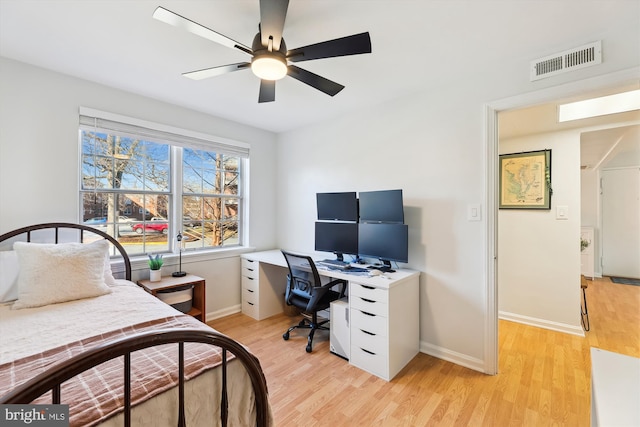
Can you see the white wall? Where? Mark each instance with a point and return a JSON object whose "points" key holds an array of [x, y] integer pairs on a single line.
{"points": [[39, 179], [589, 190], [431, 148], [538, 254], [590, 210]]}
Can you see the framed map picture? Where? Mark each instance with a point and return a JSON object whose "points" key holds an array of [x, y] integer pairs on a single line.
{"points": [[525, 180]]}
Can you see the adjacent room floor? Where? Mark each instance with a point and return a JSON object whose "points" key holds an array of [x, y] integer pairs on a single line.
{"points": [[544, 375]]}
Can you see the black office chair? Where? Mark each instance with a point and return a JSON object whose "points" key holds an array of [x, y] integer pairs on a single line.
{"points": [[306, 292]]}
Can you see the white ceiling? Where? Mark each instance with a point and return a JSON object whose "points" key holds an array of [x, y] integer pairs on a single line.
{"points": [[605, 141], [417, 45]]}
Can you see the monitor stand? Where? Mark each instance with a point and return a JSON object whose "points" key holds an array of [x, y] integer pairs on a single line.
{"points": [[339, 256], [384, 267]]}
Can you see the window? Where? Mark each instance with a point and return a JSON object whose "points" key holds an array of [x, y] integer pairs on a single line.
{"points": [[142, 184], [210, 198]]}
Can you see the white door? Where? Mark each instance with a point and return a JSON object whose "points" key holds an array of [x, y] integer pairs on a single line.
{"points": [[621, 222]]}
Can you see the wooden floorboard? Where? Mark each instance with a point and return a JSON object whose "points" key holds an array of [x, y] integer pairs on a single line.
{"points": [[544, 376]]}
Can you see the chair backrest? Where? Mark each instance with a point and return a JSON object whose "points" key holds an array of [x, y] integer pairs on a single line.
{"points": [[303, 275]]}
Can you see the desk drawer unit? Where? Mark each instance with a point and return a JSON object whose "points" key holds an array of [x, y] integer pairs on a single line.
{"points": [[262, 289], [250, 287], [369, 328]]}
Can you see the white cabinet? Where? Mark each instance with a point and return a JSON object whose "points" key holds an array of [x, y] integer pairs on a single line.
{"points": [[587, 255], [339, 337], [263, 287], [384, 328]]}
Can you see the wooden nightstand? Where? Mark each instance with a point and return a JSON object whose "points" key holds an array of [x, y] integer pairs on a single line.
{"points": [[198, 309]]}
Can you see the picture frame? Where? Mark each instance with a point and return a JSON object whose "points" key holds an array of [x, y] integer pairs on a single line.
{"points": [[525, 180]]}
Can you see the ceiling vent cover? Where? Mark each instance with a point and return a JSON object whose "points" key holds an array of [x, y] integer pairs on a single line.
{"points": [[569, 60]]}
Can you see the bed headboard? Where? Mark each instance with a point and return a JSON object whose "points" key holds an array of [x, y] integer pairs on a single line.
{"points": [[61, 232]]}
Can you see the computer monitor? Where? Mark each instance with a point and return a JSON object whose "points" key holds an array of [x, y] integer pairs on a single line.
{"points": [[337, 206], [337, 237], [386, 242], [381, 206]]}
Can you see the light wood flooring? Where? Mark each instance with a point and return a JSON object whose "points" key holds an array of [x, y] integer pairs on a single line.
{"points": [[544, 376]]}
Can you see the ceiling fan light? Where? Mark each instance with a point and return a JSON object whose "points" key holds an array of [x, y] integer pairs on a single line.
{"points": [[269, 67]]}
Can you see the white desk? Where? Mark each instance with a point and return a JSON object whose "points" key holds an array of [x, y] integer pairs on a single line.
{"points": [[383, 310]]}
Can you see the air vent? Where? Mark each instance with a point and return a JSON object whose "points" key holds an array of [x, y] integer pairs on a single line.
{"points": [[569, 60]]}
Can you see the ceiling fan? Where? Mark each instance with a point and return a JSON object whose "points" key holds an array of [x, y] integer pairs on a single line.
{"points": [[270, 59]]}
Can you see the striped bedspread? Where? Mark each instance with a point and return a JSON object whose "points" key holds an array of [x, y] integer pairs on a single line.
{"points": [[97, 394]]}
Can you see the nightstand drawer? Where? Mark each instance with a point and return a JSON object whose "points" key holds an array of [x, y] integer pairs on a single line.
{"points": [[369, 292], [367, 322], [368, 305]]}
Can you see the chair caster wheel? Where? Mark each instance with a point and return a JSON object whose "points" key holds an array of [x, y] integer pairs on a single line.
{"points": [[309, 349], [285, 336]]}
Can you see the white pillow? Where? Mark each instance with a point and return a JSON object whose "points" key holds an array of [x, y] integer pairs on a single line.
{"points": [[51, 273], [8, 276], [108, 274]]}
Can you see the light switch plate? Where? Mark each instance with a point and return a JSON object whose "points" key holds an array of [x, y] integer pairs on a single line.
{"points": [[562, 212], [474, 212]]}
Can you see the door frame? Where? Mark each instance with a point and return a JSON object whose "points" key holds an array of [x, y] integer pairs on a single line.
{"points": [[491, 144]]}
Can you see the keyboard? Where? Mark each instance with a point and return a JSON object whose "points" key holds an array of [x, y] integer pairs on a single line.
{"points": [[333, 262]]}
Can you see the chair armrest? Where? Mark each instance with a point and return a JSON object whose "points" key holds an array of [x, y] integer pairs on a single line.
{"points": [[341, 282], [320, 291]]}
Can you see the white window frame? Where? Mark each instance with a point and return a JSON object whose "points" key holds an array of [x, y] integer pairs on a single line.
{"points": [[176, 138]]}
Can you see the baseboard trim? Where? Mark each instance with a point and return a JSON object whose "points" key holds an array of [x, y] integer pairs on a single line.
{"points": [[213, 315], [452, 356], [542, 323]]}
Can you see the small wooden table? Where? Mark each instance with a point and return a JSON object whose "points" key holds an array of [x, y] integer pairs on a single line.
{"points": [[198, 308]]}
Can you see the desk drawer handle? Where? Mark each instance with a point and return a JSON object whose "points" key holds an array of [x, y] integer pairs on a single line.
{"points": [[368, 333], [367, 287], [250, 303], [368, 314], [250, 269], [367, 300], [250, 290], [367, 351], [249, 278]]}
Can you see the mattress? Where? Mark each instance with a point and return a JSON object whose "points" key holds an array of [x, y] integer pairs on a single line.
{"points": [[31, 331]]}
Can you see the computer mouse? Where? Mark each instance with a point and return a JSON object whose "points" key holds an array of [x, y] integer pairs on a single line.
{"points": [[374, 272]]}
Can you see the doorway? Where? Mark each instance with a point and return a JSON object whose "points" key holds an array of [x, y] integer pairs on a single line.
{"points": [[623, 79]]}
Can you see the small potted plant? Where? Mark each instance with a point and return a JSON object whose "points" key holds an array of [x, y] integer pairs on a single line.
{"points": [[155, 264], [584, 244]]}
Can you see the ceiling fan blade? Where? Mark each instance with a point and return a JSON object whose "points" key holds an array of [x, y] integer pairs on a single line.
{"points": [[272, 16], [350, 45], [216, 71], [171, 18], [267, 91], [314, 80]]}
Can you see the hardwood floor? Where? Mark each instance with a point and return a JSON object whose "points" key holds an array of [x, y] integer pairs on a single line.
{"points": [[544, 376]]}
